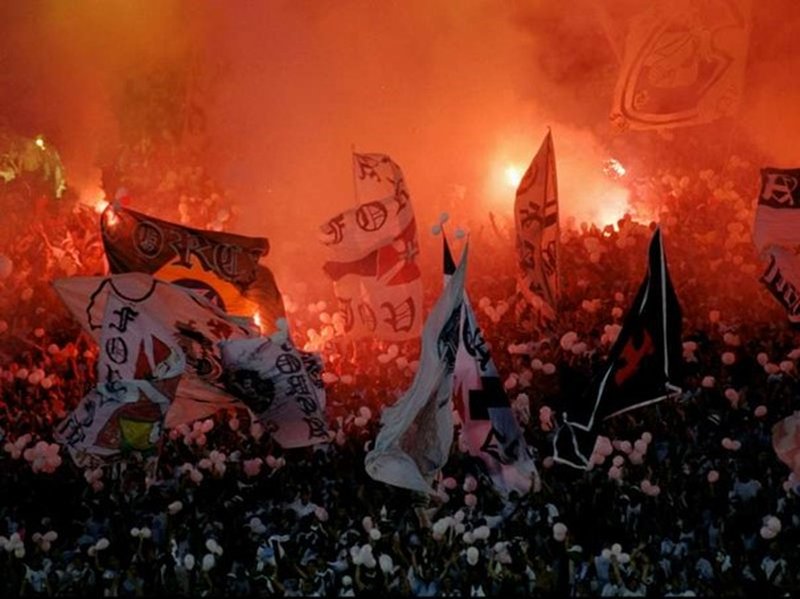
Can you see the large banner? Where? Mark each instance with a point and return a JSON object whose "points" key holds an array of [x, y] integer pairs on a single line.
{"points": [[536, 220], [222, 267], [683, 65], [416, 432], [281, 385], [134, 315], [373, 255]]}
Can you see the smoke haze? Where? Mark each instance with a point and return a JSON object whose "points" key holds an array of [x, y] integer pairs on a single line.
{"points": [[454, 92]]}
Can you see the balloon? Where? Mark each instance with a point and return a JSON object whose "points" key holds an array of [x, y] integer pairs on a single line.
{"points": [[568, 340], [6, 266], [559, 531]]}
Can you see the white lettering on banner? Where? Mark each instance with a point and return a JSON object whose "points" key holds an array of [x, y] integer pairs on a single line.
{"points": [[779, 188]]}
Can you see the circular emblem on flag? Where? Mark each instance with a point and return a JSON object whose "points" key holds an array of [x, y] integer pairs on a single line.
{"points": [[204, 289], [148, 240], [371, 217], [288, 364]]}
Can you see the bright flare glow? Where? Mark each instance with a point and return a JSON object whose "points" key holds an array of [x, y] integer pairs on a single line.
{"points": [[513, 175], [100, 205], [611, 207], [614, 169], [40, 142], [257, 321]]}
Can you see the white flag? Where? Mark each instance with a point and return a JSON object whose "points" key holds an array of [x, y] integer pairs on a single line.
{"points": [[537, 228], [373, 255], [141, 308], [139, 369], [417, 431], [282, 386]]}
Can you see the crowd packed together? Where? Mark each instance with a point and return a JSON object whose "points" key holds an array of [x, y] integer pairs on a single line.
{"points": [[691, 500]]}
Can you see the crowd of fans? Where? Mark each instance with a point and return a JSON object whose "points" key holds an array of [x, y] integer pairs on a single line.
{"points": [[700, 506]]}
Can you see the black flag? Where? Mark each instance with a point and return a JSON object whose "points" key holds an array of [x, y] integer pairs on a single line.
{"points": [[643, 365]]}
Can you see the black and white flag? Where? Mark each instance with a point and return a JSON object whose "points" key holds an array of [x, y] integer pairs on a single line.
{"points": [[643, 365]]}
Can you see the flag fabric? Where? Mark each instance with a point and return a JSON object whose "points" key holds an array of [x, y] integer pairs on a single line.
{"points": [[776, 232], [782, 279], [373, 255], [786, 441], [134, 314], [139, 369], [778, 210], [222, 267], [643, 364], [537, 227], [281, 385], [489, 427], [683, 65], [417, 431]]}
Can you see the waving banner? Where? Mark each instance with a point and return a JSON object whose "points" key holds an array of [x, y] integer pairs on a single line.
{"points": [[776, 233], [281, 385], [417, 431], [222, 267], [683, 65], [373, 255], [489, 426], [134, 315], [536, 219]]}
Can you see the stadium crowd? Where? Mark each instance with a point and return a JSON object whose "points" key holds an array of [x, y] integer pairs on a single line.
{"points": [[692, 501]]}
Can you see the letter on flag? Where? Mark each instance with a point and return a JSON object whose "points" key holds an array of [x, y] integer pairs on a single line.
{"points": [[223, 267], [417, 431], [536, 219], [281, 385], [489, 426], [683, 64], [373, 255], [642, 367]]}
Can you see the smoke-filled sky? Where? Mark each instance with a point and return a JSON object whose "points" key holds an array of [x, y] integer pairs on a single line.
{"points": [[456, 92]]}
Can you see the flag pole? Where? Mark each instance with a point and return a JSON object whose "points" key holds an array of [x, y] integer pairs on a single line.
{"points": [[355, 183]]}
